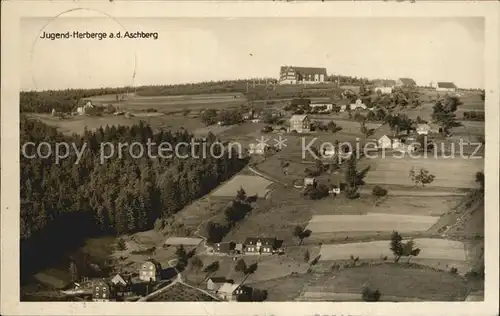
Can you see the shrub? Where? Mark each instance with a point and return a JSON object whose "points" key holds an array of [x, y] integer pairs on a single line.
{"points": [[379, 191], [370, 295], [453, 270]]}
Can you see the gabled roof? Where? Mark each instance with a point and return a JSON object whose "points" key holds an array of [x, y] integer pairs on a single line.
{"points": [[264, 241], [298, 118], [220, 280], [447, 85], [305, 70], [408, 81], [384, 83], [119, 279], [155, 263]]}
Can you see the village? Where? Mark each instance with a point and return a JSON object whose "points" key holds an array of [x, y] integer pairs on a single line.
{"points": [[292, 224]]}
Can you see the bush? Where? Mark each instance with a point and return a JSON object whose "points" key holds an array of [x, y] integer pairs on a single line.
{"points": [[379, 191], [370, 295], [453, 270]]}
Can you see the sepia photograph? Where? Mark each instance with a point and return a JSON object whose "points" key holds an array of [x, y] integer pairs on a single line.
{"points": [[245, 158]]}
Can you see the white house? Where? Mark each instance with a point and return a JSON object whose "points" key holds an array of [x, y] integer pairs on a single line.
{"points": [[257, 149], [446, 87], [231, 291], [384, 90], [300, 123], [82, 109], [386, 142], [358, 105]]}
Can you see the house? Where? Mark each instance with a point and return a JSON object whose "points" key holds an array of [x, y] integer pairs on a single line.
{"points": [[405, 82], [446, 87], [388, 142], [102, 291], [81, 110], [231, 291], [326, 107], [309, 181], [150, 271], [383, 90], [329, 152], [122, 284], [334, 189], [255, 120], [214, 283], [297, 75], [258, 149], [254, 245], [425, 129], [300, 123], [224, 247], [357, 105], [384, 83], [239, 248]]}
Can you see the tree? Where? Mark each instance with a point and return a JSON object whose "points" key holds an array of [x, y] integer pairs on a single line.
{"points": [[396, 245], [196, 264], [480, 179], [301, 233], [121, 245], [211, 268], [379, 191], [422, 177], [209, 116], [370, 295], [240, 266], [241, 195], [409, 250], [181, 253], [251, 268], [307, 256]]}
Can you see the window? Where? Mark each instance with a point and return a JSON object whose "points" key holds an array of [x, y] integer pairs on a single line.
{"points": [[97, 288], [97, 295], [104, 295]]}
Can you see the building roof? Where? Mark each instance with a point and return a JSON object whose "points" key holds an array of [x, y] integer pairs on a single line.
{"points": [[384, 83], [220, 280], [305, 70], [229, 288], [447, 85], [119, 279], [408, 81], [298, 118], [264, 241]]}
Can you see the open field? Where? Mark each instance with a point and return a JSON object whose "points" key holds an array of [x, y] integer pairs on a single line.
{"points": [[398, 282], [431, 248], [430, 206], [174, 103], [253, 186], [371, 222], [449, 173]]}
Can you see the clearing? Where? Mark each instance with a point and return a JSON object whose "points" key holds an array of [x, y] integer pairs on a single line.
{"points": [[253, 186]]}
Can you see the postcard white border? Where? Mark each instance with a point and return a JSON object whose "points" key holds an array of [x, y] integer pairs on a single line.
{"points": [[13, 11]]}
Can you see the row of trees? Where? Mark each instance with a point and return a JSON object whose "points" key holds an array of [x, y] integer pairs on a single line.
{"points": [[65, 202], [444, 113]]}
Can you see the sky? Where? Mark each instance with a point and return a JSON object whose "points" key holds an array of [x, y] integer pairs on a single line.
{"points": [[210, 49]]}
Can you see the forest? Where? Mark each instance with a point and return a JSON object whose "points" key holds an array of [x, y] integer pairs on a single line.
{"points": [[64, 203]]}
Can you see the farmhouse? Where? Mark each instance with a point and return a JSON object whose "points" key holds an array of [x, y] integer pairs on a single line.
{"points": [[324, 107], [102, 291], [238, 249], [214, 283], [122, 284], [231, 291], [260, 245], [81, 110], [224, 247], [405, 82], [295, 75], [150, 270], [300, 123], [358, 105], [446, 87], [309, 181], [425, 129], [258, 149]]}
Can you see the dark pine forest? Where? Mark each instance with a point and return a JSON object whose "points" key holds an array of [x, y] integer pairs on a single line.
{"points": [[63, 204]]}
